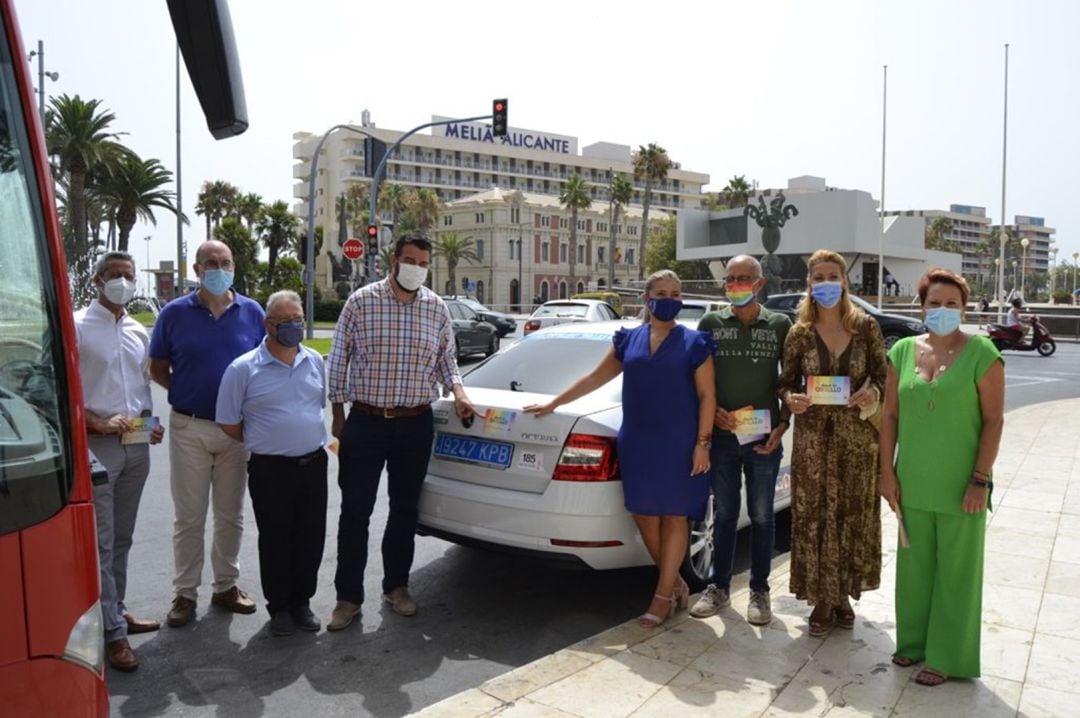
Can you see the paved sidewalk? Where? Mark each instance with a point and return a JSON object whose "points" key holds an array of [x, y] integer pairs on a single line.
{"points": [[724, 667]]}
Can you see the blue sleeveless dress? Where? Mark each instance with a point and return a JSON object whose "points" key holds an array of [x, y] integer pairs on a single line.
{"points": [[660, 422]]}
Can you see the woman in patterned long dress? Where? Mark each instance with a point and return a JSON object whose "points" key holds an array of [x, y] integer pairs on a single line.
{"points": [[835, 509]]}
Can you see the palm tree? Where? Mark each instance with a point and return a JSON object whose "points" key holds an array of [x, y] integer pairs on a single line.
{"points": [[134, 189], [423, 210], [216, 200], [651, 164], [393, 198], [455, 250], [77, 135], [249, 207], [574, 196], [357, 200], [277, 230], [936, 231], [299, 244], [384, 260], [245, 252], [622, 191], [737, 191]]}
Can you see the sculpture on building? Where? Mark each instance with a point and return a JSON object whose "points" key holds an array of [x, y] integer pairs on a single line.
{"points": [[771, 218]]}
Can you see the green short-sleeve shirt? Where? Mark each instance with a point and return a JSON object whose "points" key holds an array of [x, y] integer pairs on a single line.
{"points": [[747, 359], [937, 447]]}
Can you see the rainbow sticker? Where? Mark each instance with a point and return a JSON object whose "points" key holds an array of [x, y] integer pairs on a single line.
{"points": [[498, 421], [829, 390], [752, 422]]}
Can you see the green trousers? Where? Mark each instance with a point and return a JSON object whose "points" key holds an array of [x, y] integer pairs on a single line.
{"points": [[939, 591]]}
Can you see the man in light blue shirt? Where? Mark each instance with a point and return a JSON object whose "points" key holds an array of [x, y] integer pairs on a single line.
{"points": [[273, 399]]}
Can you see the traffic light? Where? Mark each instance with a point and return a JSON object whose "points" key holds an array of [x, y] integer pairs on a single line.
{"points": [[373, 235], [374, 151], [498, 117]]}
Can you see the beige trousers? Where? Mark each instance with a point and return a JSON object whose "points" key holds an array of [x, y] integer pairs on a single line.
{"points": [[207, 467]]}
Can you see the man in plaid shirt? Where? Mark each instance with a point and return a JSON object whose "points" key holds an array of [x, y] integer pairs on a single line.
{"points": [[393, 346]]}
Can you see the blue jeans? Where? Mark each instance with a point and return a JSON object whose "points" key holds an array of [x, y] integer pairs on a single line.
{"points": [[730, 462]]}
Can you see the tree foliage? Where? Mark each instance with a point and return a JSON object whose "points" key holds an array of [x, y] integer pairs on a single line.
{"points": [[660, 254]]}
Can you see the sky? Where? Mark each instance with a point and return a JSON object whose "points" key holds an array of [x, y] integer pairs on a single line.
{"points": [[769, 91]]}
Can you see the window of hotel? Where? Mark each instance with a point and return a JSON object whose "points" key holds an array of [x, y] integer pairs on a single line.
{"points": [[543, 251], [447, 220], [515, 215], [543, 291], [580, 287], [581, 254], [479, 217], [480, 291], [630, 256], [545, 221], [600, 255], [480, 249], [562, 290], [563, 223], [512, 249], [562, 253]]}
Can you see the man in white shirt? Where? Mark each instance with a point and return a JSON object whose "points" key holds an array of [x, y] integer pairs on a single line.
{"points": [[114, 367]]}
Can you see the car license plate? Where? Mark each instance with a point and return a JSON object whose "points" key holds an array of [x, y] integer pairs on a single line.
{"points": [[496, 454]]}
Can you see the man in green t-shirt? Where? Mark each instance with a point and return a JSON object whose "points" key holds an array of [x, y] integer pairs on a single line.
{"points": [[750, 345]]}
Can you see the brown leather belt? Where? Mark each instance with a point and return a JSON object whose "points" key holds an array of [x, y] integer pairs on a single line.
{"points": [[394, 412]]}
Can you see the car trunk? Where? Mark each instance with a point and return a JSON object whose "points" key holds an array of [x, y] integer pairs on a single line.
{"points": [[503, 447]]}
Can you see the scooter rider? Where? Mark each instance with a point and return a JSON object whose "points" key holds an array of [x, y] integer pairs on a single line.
{"points": [[1014, 320]]}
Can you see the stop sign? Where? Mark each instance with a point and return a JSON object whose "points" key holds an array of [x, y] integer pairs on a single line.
{"points": [[353, 248]]}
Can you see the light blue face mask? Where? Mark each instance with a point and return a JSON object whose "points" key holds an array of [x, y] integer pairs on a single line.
{"points": [[827, 294], [943, 320], [217, 281]]}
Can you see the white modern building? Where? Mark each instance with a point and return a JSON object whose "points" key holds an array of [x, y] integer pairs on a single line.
{"points": [[522, 241], [457, 160], [843, 220]]}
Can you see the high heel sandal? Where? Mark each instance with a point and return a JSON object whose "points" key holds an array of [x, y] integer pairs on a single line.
{"points": [[820, 627], [682, 593], [651, 620], [845, 616]]}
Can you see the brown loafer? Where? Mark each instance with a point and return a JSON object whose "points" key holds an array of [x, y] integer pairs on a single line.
{"points": [[181, 612], [233, 600], [120, 655], [140, 625], [342, 616], [401, 602]]}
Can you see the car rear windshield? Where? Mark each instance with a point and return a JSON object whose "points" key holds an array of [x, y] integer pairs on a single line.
{"points": [[688, 312], [546, 363], [562, 310]]}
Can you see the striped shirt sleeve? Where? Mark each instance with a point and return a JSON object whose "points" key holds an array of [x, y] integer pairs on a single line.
{"points": [[447, 367], [337, 369]]}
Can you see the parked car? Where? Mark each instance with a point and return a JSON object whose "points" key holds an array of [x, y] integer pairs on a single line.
{"points": [[471, 334], [894, 327], [546, 487], [561, 311], [504, 323], [695, 309]]}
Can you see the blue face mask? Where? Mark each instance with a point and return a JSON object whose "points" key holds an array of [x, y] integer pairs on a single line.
{"points": [[827, 294], [665, 308], [289, 334], [943, 320], [217, 281]]}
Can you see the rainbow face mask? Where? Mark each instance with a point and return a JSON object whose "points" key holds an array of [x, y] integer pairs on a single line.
{"points": [[740, 294]]}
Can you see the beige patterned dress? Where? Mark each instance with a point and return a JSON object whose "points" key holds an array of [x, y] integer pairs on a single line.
{"points": [[835, 508]]}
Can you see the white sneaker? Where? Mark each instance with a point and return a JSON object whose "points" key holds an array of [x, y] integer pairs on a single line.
{"points": [[710, 602], [760, 611]]}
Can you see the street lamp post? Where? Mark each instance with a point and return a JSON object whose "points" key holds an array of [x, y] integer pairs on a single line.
{"points": [[1025, 242], [1016, 277], [147, 238], [521, 288], [1076, 255], [54, 76], [1053, 273]]}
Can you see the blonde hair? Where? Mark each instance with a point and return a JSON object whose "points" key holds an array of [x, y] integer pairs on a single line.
{"points": [[850, 315], [659, 275]]}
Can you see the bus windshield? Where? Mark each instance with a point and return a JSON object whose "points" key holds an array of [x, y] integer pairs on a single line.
{"points": [[35, 477]]}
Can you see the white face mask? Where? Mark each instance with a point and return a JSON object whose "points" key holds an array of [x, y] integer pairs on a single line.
{"points": [[410, 276], [119, 290]]}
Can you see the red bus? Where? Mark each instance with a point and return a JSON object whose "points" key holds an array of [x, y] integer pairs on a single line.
{"points": [[51, 644]]}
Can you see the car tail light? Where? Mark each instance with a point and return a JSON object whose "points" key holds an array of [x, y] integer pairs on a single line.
{"points": [[587, 458], [84, 644], [532, 325]]}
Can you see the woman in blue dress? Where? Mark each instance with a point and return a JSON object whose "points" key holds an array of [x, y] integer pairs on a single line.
{"points": [[668, 403]]}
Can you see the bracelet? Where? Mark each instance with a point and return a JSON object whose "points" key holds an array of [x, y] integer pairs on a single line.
{"points": [[704, 443], [981, 483]]}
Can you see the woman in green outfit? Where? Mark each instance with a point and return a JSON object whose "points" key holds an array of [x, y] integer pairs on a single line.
{"points": [[940, 429]]}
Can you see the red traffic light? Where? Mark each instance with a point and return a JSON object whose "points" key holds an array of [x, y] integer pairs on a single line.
{"points": [[498, 107], [372, 231]]}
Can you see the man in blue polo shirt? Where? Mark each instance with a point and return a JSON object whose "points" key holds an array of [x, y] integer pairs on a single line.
{"points": [[273, 399], [195, 338]]}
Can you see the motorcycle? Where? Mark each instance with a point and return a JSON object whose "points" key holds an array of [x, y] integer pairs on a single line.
{"points": [[1006, 337]]}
